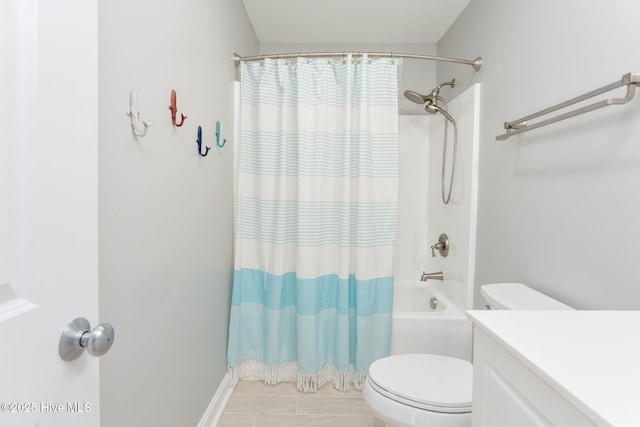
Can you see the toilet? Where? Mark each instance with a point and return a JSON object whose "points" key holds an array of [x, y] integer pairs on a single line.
{"points": [[407, 390]]}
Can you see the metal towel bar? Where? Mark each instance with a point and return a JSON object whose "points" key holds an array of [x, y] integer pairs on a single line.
{"points": [[631, 80]]}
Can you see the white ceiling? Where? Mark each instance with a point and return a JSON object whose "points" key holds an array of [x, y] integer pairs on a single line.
{"points": [[352, 21]]}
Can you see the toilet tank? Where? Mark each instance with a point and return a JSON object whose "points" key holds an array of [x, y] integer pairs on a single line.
{"points": [[516, 296]]}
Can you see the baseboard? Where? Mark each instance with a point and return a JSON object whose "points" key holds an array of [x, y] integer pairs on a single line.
{"points": [[216, 407]]}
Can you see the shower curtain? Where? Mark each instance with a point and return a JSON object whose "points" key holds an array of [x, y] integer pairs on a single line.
{"points": [[316, 220]]}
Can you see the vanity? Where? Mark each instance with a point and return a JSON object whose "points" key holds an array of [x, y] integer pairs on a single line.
{"points": [[556, 368]]}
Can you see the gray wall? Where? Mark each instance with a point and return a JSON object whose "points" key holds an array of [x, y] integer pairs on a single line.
{"points": [[558, 206], [165, 214]]}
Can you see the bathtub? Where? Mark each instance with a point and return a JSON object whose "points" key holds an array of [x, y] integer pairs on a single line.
{"points": [[426, 322]]}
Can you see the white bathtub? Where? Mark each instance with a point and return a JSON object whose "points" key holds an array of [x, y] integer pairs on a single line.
{"points": [[419, 328]]}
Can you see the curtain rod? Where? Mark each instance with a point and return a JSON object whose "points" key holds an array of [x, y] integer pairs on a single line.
{"points": [[476, 64]]}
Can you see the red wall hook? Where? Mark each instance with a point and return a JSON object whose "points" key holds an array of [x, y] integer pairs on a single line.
{"points": [[174, 110]]}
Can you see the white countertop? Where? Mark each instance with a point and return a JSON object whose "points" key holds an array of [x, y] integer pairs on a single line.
{"points": [[592, 358]]}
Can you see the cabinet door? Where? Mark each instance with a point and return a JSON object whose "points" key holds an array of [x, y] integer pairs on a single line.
{"points": [[505, 406], [506, 393]]}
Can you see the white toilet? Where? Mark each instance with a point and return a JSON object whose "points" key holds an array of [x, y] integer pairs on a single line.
{"points": [[408, 390]]}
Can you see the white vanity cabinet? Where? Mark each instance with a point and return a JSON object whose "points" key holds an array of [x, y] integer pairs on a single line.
{"points": [[564, 369], [507, 393]]}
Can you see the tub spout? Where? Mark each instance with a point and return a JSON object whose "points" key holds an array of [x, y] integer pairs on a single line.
{"points": [[433, 276]]}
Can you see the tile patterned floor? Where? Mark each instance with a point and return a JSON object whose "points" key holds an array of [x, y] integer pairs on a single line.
{"points": [[255, 404]]}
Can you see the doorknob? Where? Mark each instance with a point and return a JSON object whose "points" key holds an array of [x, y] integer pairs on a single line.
{"points": [[78, 335]]}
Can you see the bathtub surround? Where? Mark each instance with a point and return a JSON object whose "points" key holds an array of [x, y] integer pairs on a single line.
{"points": [[423, 215], [165, 214], [419, 328], [458, 218], [415, 174], [316, 220]]}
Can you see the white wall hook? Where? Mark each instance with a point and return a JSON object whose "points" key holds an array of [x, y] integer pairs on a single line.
{"points": [[134, 115]]}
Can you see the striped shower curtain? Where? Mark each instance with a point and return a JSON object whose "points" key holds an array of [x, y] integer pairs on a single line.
{"points": [[316, 221]]}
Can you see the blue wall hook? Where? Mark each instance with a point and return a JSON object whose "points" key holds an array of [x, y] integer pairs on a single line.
{"points": [[224, 141], [199, 141]]}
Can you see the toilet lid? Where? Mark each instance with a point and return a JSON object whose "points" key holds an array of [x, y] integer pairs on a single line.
{"points": [[427, 381]]}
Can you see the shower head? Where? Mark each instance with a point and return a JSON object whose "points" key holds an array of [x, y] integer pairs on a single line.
{"points": [[414, 96], [431, 108], [423, 99], [432, 98]]}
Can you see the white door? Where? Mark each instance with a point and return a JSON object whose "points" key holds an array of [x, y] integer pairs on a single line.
{"points": [[48, 209]]}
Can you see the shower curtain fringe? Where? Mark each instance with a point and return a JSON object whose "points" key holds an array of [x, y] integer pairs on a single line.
{"points": [[288, 372]]}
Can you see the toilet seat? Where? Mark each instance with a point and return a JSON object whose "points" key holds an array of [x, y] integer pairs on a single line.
{"points": [[424, 381]]}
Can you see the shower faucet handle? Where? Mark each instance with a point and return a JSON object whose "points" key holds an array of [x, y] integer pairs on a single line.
{"points": [[442, 246]]}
